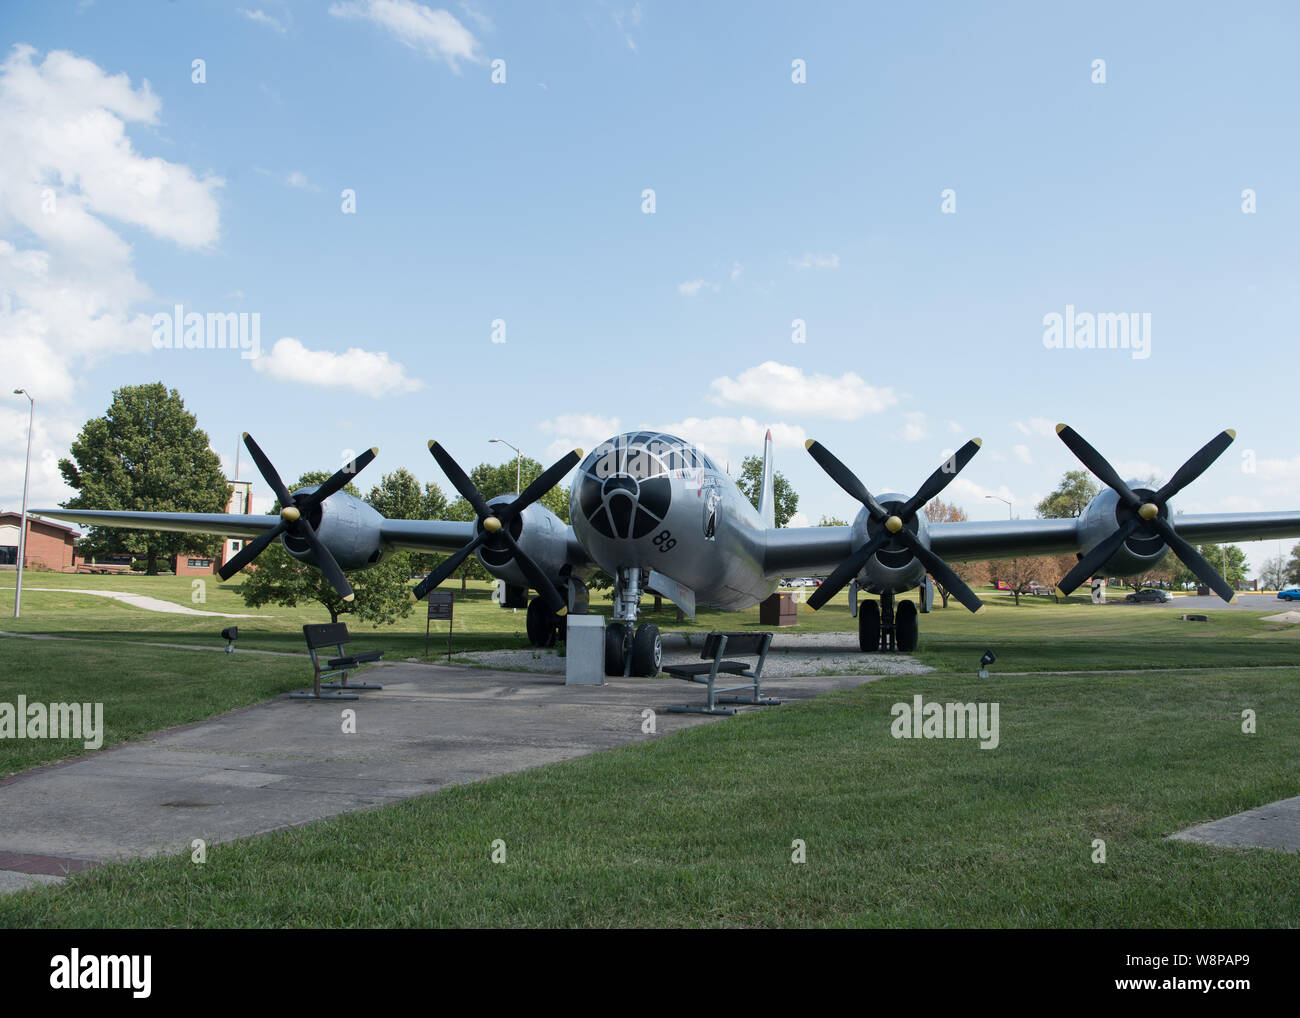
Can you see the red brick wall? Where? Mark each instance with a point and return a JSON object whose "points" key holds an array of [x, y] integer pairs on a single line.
{"points": [[48, 547]]}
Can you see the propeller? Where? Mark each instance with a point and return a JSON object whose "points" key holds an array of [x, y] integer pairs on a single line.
{"points": [[295, 517], [893, 525], [495, 522], [1146, 517]]}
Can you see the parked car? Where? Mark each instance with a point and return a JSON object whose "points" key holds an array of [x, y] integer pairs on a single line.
{"points": [[1038, 589], [1289, 594], [1149, 596]]}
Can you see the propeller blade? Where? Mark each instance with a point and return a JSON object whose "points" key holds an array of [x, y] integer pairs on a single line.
{"points": [[940, 479], [846, 479], [537, 579], [545, 482], [1095, 559], [340, 477], [448, 566], [251, 550], [1097, 463], [1196, 466], [268, 472], [458, 480], [1194, 561], [942, 572], [846, 570], [325, 561]]}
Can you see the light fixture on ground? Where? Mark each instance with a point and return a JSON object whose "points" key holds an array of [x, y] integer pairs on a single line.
{"points": [[987, 659]]}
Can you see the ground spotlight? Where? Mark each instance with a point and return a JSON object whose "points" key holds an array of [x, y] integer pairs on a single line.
{"points": [[985, 661], [230, 634]]}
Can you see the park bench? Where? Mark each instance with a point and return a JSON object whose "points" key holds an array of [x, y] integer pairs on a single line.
{"points": [[712, 664], [334, 634]]}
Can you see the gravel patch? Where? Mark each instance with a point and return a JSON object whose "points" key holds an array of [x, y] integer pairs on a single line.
{"points": [[792, 654]]}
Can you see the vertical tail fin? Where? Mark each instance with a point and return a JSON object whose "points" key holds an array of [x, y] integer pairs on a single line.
{"points": [[767, 494]]}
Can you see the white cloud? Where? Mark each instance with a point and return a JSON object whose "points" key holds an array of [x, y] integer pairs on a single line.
{"points": [[736, 271], [371, 374], [1036, 426], [913, 429], [437, 33], [299, 180], [1022, 453], [1278, 469], [480, 19], [785, 388], [69, 296], [730, 439], [51, 436], [627, 21], [816, 261], [798, 519], [691, 288], [262, 18], [582, 431]]}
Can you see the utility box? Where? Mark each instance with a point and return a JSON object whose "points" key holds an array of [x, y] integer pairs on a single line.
{"points": [[584, 649], [778, 610]]}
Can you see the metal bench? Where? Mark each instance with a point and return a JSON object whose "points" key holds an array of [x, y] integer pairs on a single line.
{"points": [[711, 664], [335, 634]]}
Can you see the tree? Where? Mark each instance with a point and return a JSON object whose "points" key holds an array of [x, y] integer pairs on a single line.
{"points": [[1070, 498], [1273, 575], [750, 482], [146, 454], [831, 521], [1228, 561], [383, 592], [500, 480], [939, 511], [1293, 566], [397, 496]]}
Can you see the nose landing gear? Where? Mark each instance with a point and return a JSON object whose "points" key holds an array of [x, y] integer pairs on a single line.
{"points": [[882, 627]]}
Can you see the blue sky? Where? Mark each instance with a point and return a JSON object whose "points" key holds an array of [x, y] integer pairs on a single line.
{"points": [[774, 201]]}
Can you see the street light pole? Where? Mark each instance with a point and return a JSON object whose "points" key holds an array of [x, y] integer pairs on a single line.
{"points": [[22, 528], [1001, 499], [519, 462]]}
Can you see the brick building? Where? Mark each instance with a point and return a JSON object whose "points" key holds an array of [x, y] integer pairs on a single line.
{"points": [[50, 545]]}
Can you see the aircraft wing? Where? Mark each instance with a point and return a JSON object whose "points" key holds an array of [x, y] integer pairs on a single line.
{"points": [[796, 551], [403, 535]]}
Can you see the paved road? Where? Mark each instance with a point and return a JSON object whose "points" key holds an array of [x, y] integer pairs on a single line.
{"points": [[288, 762]]}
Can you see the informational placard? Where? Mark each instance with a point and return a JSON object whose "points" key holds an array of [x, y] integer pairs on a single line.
{"points": [[440, 610]]}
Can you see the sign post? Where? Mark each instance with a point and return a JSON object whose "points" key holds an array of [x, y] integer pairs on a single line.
{"points": [[440, 610]]}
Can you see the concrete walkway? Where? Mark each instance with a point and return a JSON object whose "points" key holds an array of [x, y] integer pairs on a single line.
{"points": [[288, 762], [151, 604], [1276, 825]]}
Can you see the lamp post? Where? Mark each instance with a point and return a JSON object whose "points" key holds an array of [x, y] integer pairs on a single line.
{"points": [[22, 528], [1001, 499], [519, 458]]}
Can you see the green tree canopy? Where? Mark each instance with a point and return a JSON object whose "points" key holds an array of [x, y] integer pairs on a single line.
{"points": [[145, 454], [1071, 497], [750, 482], [383, 593], [1216, 555], [1293, 566]]}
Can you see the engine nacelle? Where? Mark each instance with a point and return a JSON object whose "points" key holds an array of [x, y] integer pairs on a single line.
{"points": [[347, 526], [542, 535], [1136, 555], [892, 568]]}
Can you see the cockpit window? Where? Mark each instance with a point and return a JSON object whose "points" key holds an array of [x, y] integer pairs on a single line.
{"points": [[644, 455]]}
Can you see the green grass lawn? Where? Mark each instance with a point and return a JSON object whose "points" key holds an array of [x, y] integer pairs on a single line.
{"points": [[696, 829]]}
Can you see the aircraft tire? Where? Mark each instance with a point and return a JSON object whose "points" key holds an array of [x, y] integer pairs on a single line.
{"points": [[647, 650], [868, 627], [540, 624], [615, 648], [906, 628]]}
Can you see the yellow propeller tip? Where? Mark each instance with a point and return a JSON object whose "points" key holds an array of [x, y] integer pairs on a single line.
{"points": [[563, 611], [1231, 433], [432, 443], [1059, 592], [1233, 599], [244, 435], [810, 443], [580, 453], [978, 441], [1061, 427], [374, 450], [350, 598]]}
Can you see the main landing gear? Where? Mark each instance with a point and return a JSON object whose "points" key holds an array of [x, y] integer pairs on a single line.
{"points": [[543, 626], [884, 627], [631, 651]]}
